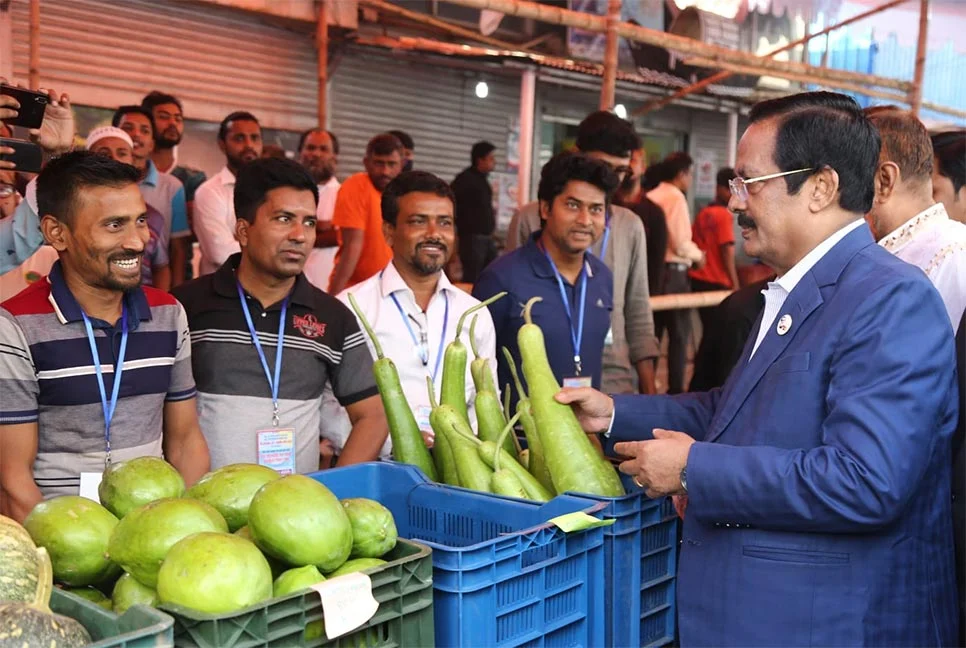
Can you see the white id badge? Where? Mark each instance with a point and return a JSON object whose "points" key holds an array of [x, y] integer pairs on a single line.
{"points": [[577, 381], [276, 449], [89, 482], [422, 418]]}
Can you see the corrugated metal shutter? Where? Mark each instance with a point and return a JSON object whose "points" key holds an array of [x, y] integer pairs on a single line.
{"points": [[108, 53], [372, 92]]}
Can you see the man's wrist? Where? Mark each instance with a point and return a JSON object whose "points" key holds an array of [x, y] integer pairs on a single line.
{"points": [[610, 425]]}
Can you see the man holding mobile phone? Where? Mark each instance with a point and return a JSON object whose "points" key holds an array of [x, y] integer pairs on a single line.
{"points": [[55, 136]]}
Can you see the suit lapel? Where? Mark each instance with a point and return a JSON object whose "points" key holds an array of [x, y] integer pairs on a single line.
{"points": [[802, 301]]}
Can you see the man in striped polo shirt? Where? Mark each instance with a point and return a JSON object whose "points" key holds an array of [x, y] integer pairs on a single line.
{"points": [[265, 342], [93, 367]]}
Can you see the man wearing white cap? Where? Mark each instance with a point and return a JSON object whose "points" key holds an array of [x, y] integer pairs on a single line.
{"points": [[116, 144]]}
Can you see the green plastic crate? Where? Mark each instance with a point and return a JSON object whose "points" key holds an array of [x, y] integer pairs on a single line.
{"points": [[403, 588], [138, 627]]}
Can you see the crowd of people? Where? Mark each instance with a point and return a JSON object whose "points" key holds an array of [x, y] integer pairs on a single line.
{"points": [[812, 460]]}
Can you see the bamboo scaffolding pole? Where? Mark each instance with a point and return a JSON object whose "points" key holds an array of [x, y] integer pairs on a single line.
{"points": [[322, 45], [686, 46], [608, 87], [688, 300], [915, 95], [33, 78], [724, 74], [450, 28], [805, 78]]}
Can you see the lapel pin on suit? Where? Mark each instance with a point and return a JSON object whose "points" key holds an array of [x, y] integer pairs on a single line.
{"points": [[784, 324]]}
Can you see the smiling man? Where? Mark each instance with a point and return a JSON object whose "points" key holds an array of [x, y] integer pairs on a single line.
{"points": [[412, 307], [94, 367], [161, 191], [557, 264], [818, 477], [266, 342]]}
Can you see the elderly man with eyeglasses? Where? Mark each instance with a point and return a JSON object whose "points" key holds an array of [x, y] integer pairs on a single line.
{"points": [[818, 477]]}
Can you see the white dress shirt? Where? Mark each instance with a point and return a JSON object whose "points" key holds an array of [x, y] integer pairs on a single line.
{"points": [[778, 290], [374, 296], [214, 220], [321, 261], [936, 244]]}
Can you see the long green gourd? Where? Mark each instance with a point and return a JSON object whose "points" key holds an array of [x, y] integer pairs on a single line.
{"points": [[454, 365], [473, 472], [504, 481], [574, 463], [407, 441], [536, 462], [489, 411]]}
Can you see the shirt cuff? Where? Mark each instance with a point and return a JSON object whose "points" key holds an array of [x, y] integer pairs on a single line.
{"points": [[611, 424]]}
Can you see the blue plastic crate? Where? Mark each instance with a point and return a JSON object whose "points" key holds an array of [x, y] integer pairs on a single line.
{"points": [[640, 564], [501, 575]]}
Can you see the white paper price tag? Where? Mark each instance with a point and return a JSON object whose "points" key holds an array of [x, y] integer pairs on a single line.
{"points": [[347, 603], [89, 481]]}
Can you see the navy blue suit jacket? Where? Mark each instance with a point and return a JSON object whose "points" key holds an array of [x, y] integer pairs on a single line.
{"points": [[819, 509]]}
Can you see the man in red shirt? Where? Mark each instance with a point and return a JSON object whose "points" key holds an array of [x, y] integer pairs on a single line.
{"points": [[713, 232]]}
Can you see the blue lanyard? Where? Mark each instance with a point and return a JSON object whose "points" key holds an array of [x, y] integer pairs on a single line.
{"points": [[603, 245], [272, 384], [423, 345], [575, 336], [108, 406]]}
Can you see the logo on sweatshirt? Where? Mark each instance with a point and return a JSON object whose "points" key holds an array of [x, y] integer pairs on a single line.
{"points": [[308, 325]]}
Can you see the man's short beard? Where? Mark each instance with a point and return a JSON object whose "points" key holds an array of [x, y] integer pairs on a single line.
{"points": [[162, 143], [321, 176]]}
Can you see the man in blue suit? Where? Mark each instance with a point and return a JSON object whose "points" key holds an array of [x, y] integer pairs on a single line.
{"points": [[818, 477]]}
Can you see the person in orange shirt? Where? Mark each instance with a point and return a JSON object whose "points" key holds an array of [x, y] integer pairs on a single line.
{"points": [[713, 232], [358, 213]]}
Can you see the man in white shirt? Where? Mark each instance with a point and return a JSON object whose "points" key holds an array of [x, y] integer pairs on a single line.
{"points": [[825, 458], [681, 254], [319, 154], [412, 306], [905, 219], [240, 139]]}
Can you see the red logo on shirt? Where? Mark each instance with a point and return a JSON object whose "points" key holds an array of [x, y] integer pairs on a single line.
{"points": [[308, 325]]}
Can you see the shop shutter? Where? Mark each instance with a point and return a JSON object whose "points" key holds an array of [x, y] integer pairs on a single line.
{"points": [[216, 60]]}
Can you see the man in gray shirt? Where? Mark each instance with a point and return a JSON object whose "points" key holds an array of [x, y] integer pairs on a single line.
{"points": [[630, 349]]}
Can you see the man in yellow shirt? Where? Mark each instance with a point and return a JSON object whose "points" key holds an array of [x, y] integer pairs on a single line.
{"points": [[358, 214]]}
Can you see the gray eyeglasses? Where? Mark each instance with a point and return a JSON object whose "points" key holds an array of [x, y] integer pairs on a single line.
{"points": [[739, 185]]}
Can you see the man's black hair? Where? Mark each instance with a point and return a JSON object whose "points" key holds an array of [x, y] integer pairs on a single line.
{"points": [[409, 182], [63, 178], [260, 176], [384, 144], [605, 132], [566, 167], [405, 138], [725, 175], [825, 129], [305, 135], [157, 98], [480, 150], [676, 163], [238, 115], [127, 110], [950, 150]]}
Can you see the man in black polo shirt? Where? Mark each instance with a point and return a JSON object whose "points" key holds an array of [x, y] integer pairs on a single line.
{"points": [[259, 400]]}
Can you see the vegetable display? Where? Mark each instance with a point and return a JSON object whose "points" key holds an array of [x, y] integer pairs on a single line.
{"points": [[559, 456]]}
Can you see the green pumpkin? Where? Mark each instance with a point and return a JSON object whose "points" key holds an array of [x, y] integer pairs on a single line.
{"points": [[26, 575], [25, 625]]}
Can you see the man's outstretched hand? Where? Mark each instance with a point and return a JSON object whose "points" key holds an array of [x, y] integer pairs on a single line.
{"points": [[593, 409]]}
